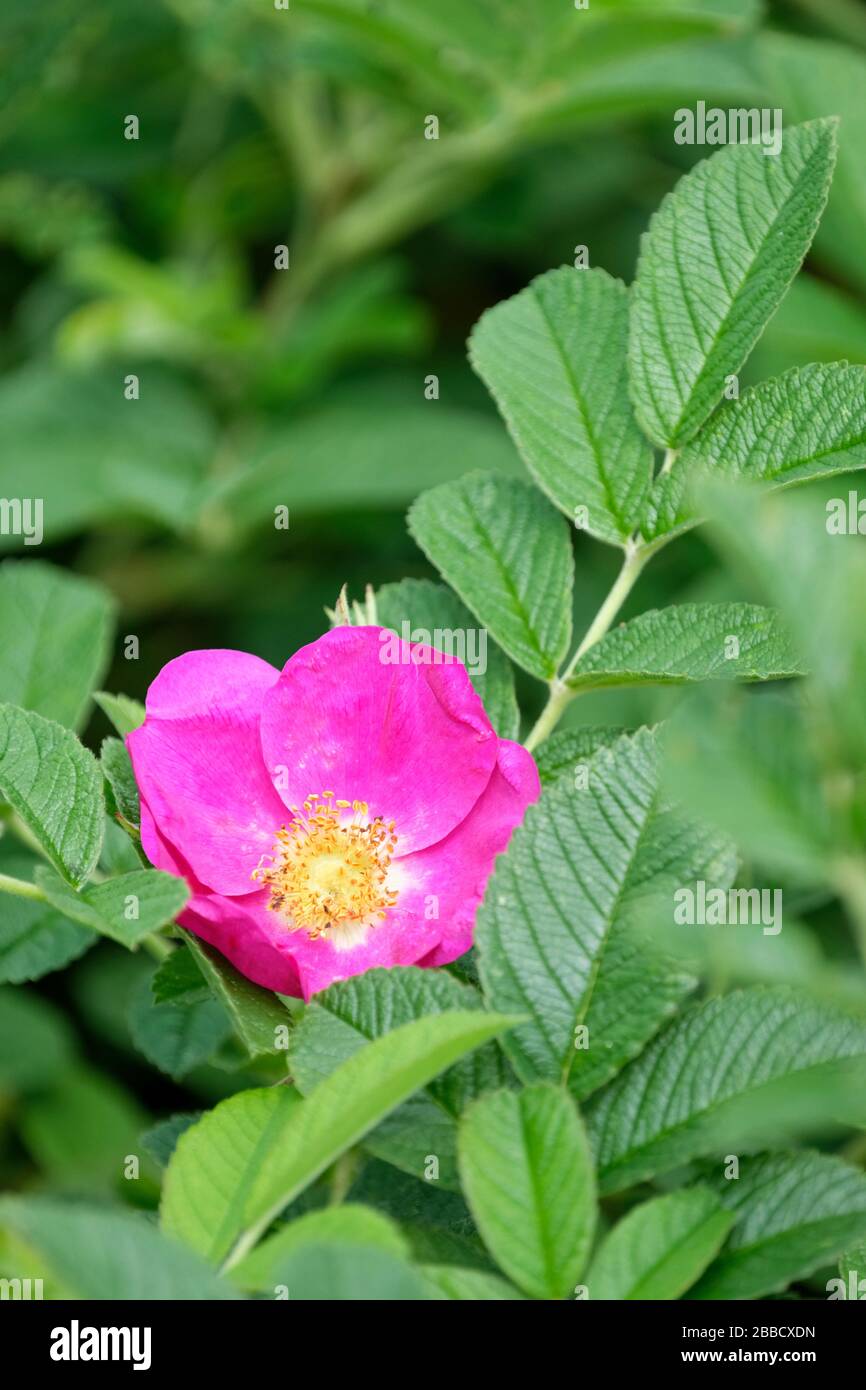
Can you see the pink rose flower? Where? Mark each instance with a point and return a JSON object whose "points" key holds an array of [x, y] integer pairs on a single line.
{"points": [[340, 814]]}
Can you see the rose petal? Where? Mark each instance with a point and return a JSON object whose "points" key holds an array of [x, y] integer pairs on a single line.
{"points": [[198, 764], [409, 737]]}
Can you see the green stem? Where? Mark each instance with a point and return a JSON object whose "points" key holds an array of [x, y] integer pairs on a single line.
{"points": [[561, 693], [21, 888]]}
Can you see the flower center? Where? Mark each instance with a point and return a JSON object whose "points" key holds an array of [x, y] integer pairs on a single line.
{"points": [[328, 873]]}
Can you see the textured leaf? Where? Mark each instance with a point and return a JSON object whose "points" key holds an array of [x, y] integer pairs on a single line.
{"points": [[675, 646], [110, 1254], [53, 784], [554, 358], [342, 1019], [527, 1173], [54, 632], [34, 940], [124, 713], [728, 1074], [808, 423], [117, 770], [555, 933], [349, 1224], [714, 264], [431, 607], [658, 1249], [505, 551], [794, 1212], [127, 908], [160, 1141], [569, 749], [252, 1155]]}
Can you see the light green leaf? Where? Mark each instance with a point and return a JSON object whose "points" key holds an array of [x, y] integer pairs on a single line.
{"points": [[433, 609], [54, 634], [794, 1212], [852, 1269], [245, 1161], [127, 908], [729, 1074], [658, 1249], [110, 1254], [554, 358], [124, 713], [527, 1172], [53, 784], [256, 1013], [555, 933], [341, 1020], [342, 1272], [455, 1285], [809, 423], [714, 264], [692, 642], [349, 1224], [507, 553]]}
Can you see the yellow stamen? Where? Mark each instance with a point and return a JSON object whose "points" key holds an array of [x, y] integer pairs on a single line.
{"points": [[327, 874]]}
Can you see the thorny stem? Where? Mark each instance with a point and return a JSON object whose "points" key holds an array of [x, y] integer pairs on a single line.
{"points": [[561, 695]]}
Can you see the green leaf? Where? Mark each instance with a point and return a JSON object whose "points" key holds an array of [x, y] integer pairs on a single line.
{"points": [[505, 551], [118, 773], [794, 1212], [340, 1272], [569, 749], [34, 939], [54, 634], [349, 1224], [527, 1172], [730, 1073], [176, 1037], [160, 1141], [444, 622], [100, 1254], [124, 713], [127, 908], [81, 1132], [235, 1171], [748, 766], [341, 1020], [456, 1285], [809, 423], [74, 440], [365, 455], [658, 1249], [555, 933], [714, 264], [852, 1269], [53, 784], [554, 358], [36, 1043], [178, 979], [692, 642], [256, 1013]]}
